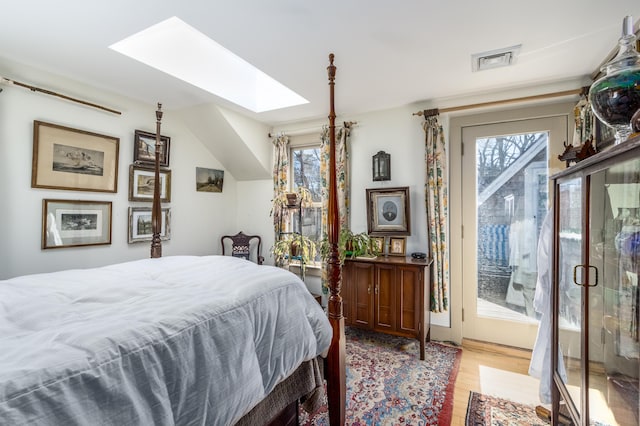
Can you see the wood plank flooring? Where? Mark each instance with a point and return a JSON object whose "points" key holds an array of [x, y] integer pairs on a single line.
{"points": [[496, 370]]}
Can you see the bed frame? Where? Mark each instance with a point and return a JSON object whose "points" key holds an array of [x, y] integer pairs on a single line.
{"points": [[335, 371]]}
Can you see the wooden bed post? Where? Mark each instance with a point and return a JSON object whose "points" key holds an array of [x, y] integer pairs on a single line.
{"points": [[156, 209], [336, 377]]}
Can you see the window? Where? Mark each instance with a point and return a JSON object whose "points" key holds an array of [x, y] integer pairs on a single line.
{"points": [[305, 171]]}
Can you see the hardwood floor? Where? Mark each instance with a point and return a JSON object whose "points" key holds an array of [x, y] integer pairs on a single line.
{"points": [[496, 370]]}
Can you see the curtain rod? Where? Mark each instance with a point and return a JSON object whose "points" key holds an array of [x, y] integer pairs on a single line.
{"points": [[436, 111], [308, 130], [49, 92]]}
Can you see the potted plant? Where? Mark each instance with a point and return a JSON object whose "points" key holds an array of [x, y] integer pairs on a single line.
{"points": [[301, 197], [349, 244], [294, 247]]}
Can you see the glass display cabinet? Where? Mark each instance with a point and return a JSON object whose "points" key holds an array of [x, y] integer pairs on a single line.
{"points": [[595, 297]]}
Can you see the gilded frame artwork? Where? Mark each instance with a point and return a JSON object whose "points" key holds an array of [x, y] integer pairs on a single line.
{"points": [[141, 180], [140, 226], [388, 211], [397, 246], [75, 223], [72, 159], [144, 148], [377, 245]]}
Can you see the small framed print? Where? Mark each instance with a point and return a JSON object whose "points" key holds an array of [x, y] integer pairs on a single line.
{"points": [[144, 148], [397, 246], [141, 227], [209, 180], [377, 245], [72, 159], [141, 184], [69, 223], [388, 211]]}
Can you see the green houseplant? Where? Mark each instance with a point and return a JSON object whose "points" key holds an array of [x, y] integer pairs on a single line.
{"points": [[349, 245], [294, 247]]}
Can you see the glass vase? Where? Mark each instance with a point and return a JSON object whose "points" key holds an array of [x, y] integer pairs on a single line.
{"points": [[615, 97]]}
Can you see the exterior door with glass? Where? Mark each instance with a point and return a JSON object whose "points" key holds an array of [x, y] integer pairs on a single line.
{"points": [[505, 199]]}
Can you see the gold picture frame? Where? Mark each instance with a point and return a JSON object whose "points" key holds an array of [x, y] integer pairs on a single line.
{"points": [[141, 181], [72, 159], [75, 223], [397, 246], [377, 245]]}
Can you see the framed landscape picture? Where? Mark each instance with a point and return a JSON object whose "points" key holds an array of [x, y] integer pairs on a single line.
{"points": [[72, 159], [141, 183], [71, 223], [140, 226], [209, 180], [388, 211], [144, 148]]}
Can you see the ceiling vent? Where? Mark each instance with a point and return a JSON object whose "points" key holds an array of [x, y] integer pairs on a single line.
{"points": [[495, 58]]}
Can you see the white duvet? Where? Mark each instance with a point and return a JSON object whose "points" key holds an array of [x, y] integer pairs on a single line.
{"points": [[179, 340]]}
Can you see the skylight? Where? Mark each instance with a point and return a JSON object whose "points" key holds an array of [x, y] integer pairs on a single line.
{"points": [[176, 48]]}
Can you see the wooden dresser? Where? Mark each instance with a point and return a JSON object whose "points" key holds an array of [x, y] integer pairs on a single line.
{"points": [[388, 295]]}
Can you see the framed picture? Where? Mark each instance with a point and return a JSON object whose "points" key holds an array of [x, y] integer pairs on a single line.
{"points": [[141, 228], [388, 211], [605, 136], [141, 182], [69, 223], [397, 246], [377, 245], [144, 148], [209, 180], [72, 159]]}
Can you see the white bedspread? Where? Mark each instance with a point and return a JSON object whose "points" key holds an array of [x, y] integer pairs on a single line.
{"points": [[178, 340]]}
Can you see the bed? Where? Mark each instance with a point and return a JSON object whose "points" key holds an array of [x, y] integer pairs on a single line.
{"points": [[175, 340]]}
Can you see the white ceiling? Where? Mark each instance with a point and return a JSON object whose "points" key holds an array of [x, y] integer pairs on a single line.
{"points": [[388, 54]]}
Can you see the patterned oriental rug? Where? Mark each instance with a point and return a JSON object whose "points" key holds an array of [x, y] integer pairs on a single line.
{"points": [[387, 384], [485, 410]]}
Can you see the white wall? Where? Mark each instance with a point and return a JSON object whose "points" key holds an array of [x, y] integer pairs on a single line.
{"points": [[198, 218]]}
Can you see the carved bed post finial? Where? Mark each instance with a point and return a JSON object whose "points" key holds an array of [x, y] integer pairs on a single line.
{"points": [[336, 380], [156, 209]]}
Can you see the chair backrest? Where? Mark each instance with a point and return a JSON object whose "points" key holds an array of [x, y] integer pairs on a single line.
{"points": [[244, 246]]}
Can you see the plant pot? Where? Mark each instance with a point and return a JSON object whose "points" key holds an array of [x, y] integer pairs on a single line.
{"points": [[292, 199]]}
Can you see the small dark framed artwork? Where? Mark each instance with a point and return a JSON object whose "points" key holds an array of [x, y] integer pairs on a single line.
{"points": [[209, 180], [73, 223], [605, 136], [144, 148], [388, 211]]}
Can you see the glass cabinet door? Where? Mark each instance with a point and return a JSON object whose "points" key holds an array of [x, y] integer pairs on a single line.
{"points": [[614, 299], [570, 244]]}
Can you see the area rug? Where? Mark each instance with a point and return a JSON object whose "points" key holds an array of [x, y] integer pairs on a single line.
{"points": [[485, 410], [387, 384]]}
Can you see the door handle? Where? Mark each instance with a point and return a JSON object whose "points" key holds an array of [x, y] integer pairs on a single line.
{"points": [[582, 284]]}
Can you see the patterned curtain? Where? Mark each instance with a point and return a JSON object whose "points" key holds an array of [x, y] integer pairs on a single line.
{"points": [[437, 211], [280, 174], [342, 183]]}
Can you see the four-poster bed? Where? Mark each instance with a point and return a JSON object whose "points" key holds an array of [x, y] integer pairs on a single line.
{"points": [[172, 340]]}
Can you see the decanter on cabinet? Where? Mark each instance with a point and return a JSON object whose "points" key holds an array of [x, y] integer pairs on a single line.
{"points": [[595, 352]]}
